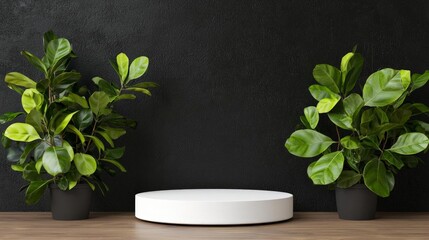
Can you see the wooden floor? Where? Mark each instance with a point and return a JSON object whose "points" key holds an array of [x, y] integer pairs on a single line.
{"points": [[33, 225]]}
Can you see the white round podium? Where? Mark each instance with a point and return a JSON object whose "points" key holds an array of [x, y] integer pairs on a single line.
{"points": [[214, 206]]}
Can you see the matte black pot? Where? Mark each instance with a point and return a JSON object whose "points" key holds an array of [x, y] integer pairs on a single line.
{"points": [[71, 204], [356, 203]]}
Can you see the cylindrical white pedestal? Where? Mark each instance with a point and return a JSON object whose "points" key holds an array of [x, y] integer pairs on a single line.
{"points": [[214, 206]]}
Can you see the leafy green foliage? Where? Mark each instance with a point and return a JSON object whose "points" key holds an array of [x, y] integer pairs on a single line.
{"points": [[68, 133], [377, 133]]}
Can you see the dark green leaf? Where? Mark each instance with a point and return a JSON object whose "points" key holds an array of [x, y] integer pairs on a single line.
{"points": [[9, 116], [116, 164], [393, 159], [375, 178], [115, 153], [28, 149], [35, 61], [66, 79], [106, 86], [351, 67], [30, 173], [348, 178], [35, 191], [34, 118], [83, 119]]}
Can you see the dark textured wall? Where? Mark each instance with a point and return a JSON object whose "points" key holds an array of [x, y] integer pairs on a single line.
{"points": [[234, 77]]}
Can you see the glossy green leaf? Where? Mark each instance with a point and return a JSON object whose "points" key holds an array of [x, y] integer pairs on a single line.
{"points": [[85, 163], [21, 132], [327, 169], [114, 133], [350, 142], [76, 131], [14, 153], [31, 99], [307, 143], [9, 116], [40, 149], [27, 150], [123, 63], [341, 119], [410, 143], [106, 86], [34, 118], [69, 149], [420, 80], [320, 92], [375, 178], [19, 79], [328, 76], [74, 98], [115, 163], [348, 178], [39, 165], [35, 61], [138, 67], [384, 87], [393, 159], [312, 116], [141, 90], [83, 119], [57, 49], [56, 160], [63, 121], [47, 37], [35, 191], [351, 68], [98, 101], [353, 104], [63, 183], [66, 79], [327, 104], [30, 173], [98, 143], [106, 137]]}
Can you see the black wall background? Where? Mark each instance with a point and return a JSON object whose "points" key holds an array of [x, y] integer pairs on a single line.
{"points": [[234, 78]]}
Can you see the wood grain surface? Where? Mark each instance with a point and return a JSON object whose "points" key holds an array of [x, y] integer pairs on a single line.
{"points": [[308, 225]]}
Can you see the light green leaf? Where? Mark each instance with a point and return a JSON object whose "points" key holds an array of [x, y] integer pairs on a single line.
{"points": [[410, 143], [142, 90], [69, 149], [138, 67], [307, 143], [17, 168], [348, 178], [384, 87], [122, 62], [39, 165], [106, 137], [98, 101], [320, 92], [353, 104], [350, 142], [57, 49], [98, 143], [116, 163], [76, 131], [419, 80], [351, 67], [85, 163], [19, 79], [312, 116], [328, 76], [56, 160], [327, 169], [31, 99], [375, 178], [21, 132], [63, 121], [126, 96], [327, 104]]}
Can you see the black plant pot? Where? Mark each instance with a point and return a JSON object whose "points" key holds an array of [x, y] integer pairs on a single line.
{"points": [[71, 204], [356, 203]]}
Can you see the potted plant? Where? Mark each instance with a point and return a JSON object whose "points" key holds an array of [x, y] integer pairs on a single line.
{"points": [[376, 133], [66, 136]]}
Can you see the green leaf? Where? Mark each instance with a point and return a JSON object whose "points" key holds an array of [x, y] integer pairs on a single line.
{"points": [[17, 168], [85, 163], [9, 116], [146, 85], [69, 149], [39, 165], [63, 121], [353, 104], [106, 86], [411, 161], [384, 87], [31, 99], [328, 76], [393, 159], [420, 80], [63, 183], [141, 90], [57, 49], [56, 160], [40, 150], [327, 169], [138, 67], [341, 119], [74, 98], [390, 180], [30, 173], [106, 137], [116, 163], [35, 191], [83, 118], [345, 117], [21, 132], [76, 131], [19, 79], [122, 61], [312, 116], [350, 142], [98, 143], [89, 184], [35, 61], [114, 133], [126, 96], [351, 68], [14, 153], [375, 178], [66, 79], [47, 37], [34, 118], [307, 143], [114, 153], [327, 104], [98, 101], [115, 67], [410, 143], [348, 178], [27, 150], [320, 92]]}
